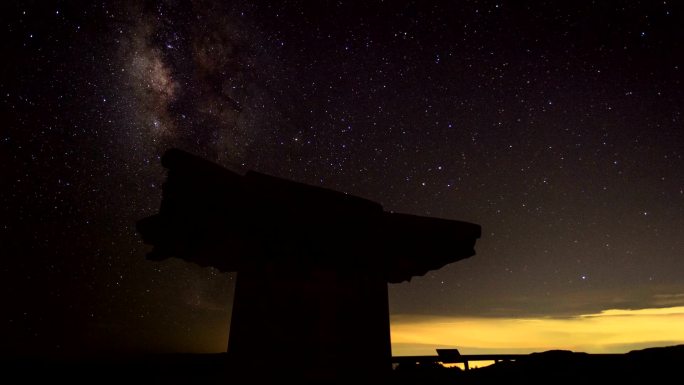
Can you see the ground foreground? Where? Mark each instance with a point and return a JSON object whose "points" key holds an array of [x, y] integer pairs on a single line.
{"points": [[649, 366]]}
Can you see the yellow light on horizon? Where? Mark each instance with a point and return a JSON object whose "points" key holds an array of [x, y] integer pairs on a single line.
{"points": [[609, 331]]}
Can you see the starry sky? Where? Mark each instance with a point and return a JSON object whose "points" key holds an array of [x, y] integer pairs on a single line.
{"points": [[556, 126]]}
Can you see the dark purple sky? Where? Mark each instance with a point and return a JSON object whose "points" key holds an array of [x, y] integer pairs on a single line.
{"points": [[558, 128]]}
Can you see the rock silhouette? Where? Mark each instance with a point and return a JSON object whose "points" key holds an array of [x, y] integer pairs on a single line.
{"points": [[312, 265]]}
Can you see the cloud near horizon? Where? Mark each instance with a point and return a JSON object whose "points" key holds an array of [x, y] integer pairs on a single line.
{"points": [[608, 331]]}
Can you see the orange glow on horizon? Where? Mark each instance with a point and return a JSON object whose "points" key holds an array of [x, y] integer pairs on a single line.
{"points": [[610, 331]]}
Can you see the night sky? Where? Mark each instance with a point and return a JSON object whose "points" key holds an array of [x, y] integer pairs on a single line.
{"points": [[556, 126]]}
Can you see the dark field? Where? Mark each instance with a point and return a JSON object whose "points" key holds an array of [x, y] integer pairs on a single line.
{"points": [[649, 366]]}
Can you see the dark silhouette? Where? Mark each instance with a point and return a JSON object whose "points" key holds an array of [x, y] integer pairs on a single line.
{"points": [[649, 366], [313, 265]]}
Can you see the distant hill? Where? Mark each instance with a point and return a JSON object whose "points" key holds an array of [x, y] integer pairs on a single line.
{"points": [[649, 366]]}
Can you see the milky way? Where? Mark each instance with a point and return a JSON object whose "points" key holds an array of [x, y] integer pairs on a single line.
{"points": [[195, 85]]}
